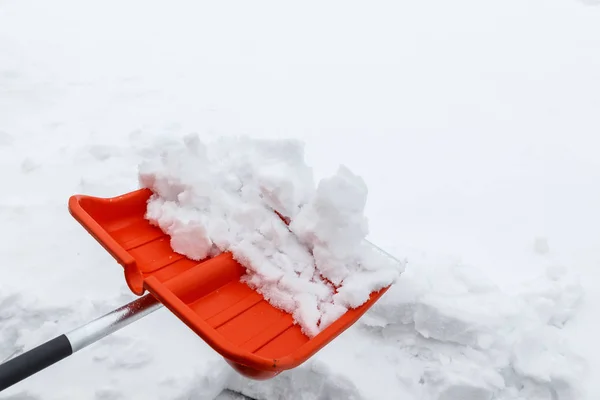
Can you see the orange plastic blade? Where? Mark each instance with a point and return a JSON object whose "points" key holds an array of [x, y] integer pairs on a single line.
{"points": [[255, 338]]}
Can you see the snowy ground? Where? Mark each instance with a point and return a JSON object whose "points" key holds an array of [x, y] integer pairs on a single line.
{"points": [[475, 125]]}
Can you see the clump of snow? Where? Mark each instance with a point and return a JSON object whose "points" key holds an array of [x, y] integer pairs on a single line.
{"points": [[236, 195]]}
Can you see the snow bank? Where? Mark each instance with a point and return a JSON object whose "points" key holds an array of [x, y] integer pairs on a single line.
{"points": [[235, 194], [444, 332]]}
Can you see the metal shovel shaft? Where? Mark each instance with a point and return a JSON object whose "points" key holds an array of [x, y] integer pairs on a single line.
{"points": [[46, 354]]}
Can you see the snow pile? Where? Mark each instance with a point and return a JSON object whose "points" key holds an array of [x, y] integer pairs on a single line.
{"points": [[474, 337], [235, 194], [445, 332]]}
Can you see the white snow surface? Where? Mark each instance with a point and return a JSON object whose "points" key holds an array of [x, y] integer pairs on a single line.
{"points": [[234, 196], [474, 123]]}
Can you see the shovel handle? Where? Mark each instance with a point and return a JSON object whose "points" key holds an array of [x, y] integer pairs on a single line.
{"points": [[34, 361], [46, 354]]}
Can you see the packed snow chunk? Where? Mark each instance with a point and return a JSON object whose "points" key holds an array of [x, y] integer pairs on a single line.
{"points": [[462, 379], [189, 236], [273, 171], [333, 226], [555, 297], [543, 356], [472, 320], [358, 286], [304, 248]]}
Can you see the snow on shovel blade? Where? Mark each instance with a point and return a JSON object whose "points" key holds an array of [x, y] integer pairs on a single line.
{"points": [[258, 340]]}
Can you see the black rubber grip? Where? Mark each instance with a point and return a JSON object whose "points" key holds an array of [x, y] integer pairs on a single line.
{"points": [[33, 361]]}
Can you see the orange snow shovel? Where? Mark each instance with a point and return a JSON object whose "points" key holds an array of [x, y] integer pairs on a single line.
{"points": [[258, 340]]}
